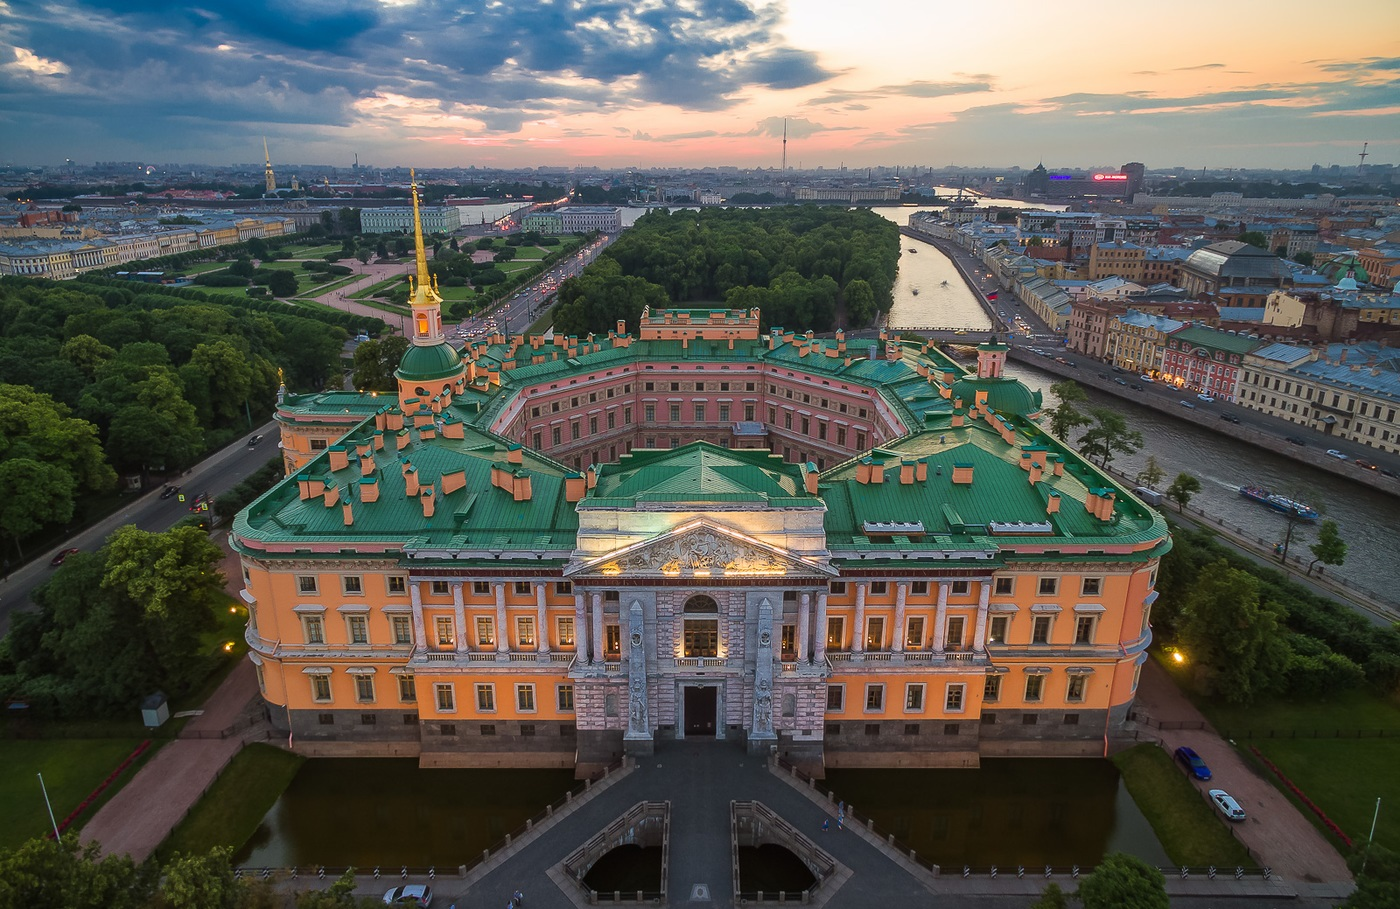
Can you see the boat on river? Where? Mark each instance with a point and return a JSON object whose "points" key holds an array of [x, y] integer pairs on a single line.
{"points": [[912, 249], [1279, 503], [914, 291]]}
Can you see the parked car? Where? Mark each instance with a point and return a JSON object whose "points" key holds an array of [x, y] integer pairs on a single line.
{"points": [[1145, 378], [1121, 382], [1294, 440], [1227, 805], [1135, 387], [61, 557], [1229, 419], [169, 491], [1189, 759], [1188, 404], [1334, 453], [416, 895], [1205, 398]]}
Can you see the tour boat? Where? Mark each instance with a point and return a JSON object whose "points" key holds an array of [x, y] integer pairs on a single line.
{"points": [[1279, 503], [912, 249], [914, 291]]}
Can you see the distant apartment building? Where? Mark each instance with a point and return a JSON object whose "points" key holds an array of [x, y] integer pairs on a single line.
{"points": [[1162, 264], [1088, 325], [1137, 340], [582, 219], [438, 219], [1351, 391], [1115, 258], [846, 194], [548, 223], [1206, 360]]}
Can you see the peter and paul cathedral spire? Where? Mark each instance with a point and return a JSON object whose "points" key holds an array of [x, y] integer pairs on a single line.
{"points": [[431, 369], [269, 181]]}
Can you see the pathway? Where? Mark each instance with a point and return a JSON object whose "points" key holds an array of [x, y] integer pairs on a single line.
{"points": [[1276, 831]]}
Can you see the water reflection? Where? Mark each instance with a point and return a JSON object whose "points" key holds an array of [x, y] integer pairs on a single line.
{"points": [[387, 811], [1008, 812]]}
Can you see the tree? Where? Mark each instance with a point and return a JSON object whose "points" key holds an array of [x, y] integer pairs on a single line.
{"points": [[860, 303], [159, 429], [1123, 881], [1065, 417], [42, 872], [1182, 489], [1231, 636], [1330, 548], [87, 353], [363, 254], [375, 362], [1254, 238], [36, 493], [201, 881], [1052, 897], [1305, 259], [283, 283], [1151, 473], [1108, 436]]}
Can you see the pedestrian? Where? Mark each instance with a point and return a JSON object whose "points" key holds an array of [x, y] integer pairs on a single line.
{"points": [[840, 823], [826, 825], [518, 898]]}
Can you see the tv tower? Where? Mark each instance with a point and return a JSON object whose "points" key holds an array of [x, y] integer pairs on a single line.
{"points": [[1361, 168], [269, 181], [785, 173]]}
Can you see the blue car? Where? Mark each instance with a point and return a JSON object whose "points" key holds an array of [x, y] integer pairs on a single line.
{"points": [[1193, 763]]}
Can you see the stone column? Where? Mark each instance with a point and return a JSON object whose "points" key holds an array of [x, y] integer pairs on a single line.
{"points": [[638, 721], [460, 613], [541, 629], [819, 644], [858, 637], [580, 629], [420, 639], [901, 590], [804, 627], [597, 650], [979, 633], [502, 632], [761, 729], [940, 618]]}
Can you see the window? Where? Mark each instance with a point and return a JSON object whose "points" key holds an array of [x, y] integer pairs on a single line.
{"points": [[564, 697], [485, 631], [835, 632], [954, 640], [914, 637], [1077, 686], [997, 633], [872, 728], [1035, 687], [481, 588], [403, 629], [364, 688], [838, 588], [525, 630], [954, 699], [396, 584], [1028, 719], [911, 728], [321, 687], [306, 583], [951, 728], [991, 689], [357, 629], [874, 697], [563, 588], [488, 728], [486, 698], [612, 640], [522, 588], [675, 413], [313, 630], [879, 588], [439, 588], [325, 719], [724, 413], [919, 588], [352, 585], [913, 698], [1084, 629], [525, 697], [874, 633], [446, 635], [1049, 587], [318, 444], [1071, 719], [959, 588], [1090, 587], [836, 698], [1040, 629], [564, 626], [788, 647], [406, 690]]}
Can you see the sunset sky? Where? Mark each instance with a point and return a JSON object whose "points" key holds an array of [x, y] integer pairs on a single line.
{"points": [[701, 82]]}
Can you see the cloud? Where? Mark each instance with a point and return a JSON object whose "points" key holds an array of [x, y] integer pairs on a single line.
{"points": [[1187, 69], [916, 89], [28, 63]]}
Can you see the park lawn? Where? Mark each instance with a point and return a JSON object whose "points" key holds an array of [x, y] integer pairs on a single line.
{"points": [[1340, 714], [466, 292], [380, 287], [542, 324], [305, 279], [229, 813], [203, 268], [1191, 832], [308, 252], [72, 769]]}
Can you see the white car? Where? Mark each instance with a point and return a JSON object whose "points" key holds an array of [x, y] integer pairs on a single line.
{"points": [[417, 896], [1227, 805], [1206, 398], [1144, 378], [1334, 453]]}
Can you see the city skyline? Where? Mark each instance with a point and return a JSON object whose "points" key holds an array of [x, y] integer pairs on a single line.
{"points": [[709, 82]]}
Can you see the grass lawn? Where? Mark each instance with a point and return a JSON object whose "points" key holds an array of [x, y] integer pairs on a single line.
{"points": [[1188, 828], [458, 293], [240, 798], [541, 325], [380, 287], [72, 768], [204, 268], [308, 252]]}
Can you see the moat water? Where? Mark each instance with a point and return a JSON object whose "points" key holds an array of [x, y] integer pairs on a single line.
{"points": [[389, 812]]}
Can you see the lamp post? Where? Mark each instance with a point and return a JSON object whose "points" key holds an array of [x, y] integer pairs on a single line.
{"points": [[1374, 817], [56, 838]]}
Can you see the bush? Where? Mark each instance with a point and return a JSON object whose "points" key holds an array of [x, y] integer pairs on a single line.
{"points": [[455, 281], [216, 279]]}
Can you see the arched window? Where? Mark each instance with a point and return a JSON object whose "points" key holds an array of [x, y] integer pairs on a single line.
{"points": [[701, 627], [701, 603]]}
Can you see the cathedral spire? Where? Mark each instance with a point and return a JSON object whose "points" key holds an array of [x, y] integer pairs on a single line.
{"points": [[269, 181], [423, 297]]}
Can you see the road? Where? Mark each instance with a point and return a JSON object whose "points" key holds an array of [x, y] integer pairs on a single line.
{"points": [[521, 309], [215, 475]]}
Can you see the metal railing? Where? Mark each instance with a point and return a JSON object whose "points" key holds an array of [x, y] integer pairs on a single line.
{"points": [[645, 824]]}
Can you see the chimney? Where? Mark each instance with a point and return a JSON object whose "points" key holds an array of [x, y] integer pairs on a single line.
{"points": [[410, 481], [379, 440], [574, 486], [402, 439], [810, 477], [863, 471], [428, 432], [962, 474], [877, 471], [1105, 512], [1052, 503], [314, 487], [331, 496], [379, 420], [1058, 468], [451, 482], [958, 419], [454, 429], [591, 475], [520, 487], [393, 422], [921, 470], [1091, 503], [1036, 473], [339, 458], [906, 472], [1025, 459], [429, 501], [369, 489], [515, 453], [347, 512], [500, 477], [366, 465], [303, 487], [621, 327]]}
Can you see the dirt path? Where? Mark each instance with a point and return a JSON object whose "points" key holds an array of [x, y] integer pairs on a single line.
{"points": [[1283, 839]]}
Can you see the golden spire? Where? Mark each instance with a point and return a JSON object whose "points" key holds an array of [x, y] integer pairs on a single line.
{"points": [[269, 181], [424, 293]]}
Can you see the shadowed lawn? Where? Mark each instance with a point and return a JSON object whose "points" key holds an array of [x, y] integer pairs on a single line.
{"points": [[1186, 825], [72, 769], [240, 798]]}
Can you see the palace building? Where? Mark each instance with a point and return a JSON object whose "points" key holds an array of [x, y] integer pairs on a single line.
{"points": [[549, 552]]}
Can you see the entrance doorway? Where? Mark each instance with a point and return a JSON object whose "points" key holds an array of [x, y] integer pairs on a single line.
{"points": [[700, 710]]}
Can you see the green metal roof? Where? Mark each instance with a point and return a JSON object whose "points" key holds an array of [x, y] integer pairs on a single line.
{"points": [[701, 472], [425, 364], [1004, 395]]}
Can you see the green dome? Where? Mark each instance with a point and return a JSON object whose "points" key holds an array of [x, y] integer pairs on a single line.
{"points": [[423, 364], [1006, 396]]}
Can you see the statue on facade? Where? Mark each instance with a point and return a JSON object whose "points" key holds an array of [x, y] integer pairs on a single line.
{"points": [[763, 708]]}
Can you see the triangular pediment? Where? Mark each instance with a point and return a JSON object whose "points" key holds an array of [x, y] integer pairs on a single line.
{"points": [[700, 548]]}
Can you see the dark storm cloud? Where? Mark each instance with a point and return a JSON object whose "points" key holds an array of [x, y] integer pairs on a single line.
{"points": [[162, 66]]}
